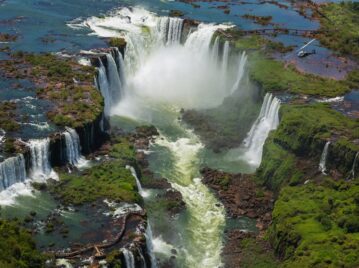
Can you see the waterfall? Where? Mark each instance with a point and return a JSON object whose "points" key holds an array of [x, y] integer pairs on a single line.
{"points": [[267, 120], [73, 148], [323, 158], [225, 56], [144, 265], [109, 80], [12, 171], [104, 87], [215, 50], [242, 63], [170, 30], [149, 244], [138, 183], [352, 171], [116, 54], [129, 258], [40, 164]]}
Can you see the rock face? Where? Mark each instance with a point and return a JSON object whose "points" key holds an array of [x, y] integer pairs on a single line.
{"points": [[240, 197]]}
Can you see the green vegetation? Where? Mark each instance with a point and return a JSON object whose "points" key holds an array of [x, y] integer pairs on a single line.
{"points": [[114, 259], [273, 75], [303, 131], [317, 225], [262, 20], [117, 42], [340, 26], [108, 180], [64, 82], [226, 125], [7, 116], [17, 249], [255, 254]]}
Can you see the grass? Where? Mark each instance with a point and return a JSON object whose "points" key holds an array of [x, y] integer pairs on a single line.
{"points": [[317, 225], [303, 131], [341, 27], [64, 82], [255, 255], [108, 180], [17, 248]]}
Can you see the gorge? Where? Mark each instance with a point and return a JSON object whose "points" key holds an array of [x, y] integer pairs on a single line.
{"points": [[179, 142]]}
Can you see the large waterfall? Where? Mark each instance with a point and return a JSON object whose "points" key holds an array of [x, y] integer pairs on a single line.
{"points": [[73, 148], [40, 164], [323, 158], [166, 71], [12, 171], [149, 244], [267, 120]]}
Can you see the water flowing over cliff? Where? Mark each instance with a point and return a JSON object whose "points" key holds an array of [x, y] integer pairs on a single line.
{"points": [[73, 149], [12, 171], [323, 158], [40, 165], [267, 120]]}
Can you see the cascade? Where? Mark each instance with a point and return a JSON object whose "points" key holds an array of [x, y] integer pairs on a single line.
{"points": [[104, 87], [73, 148], [352, 171], [267, 120], [149, 244], [109, 79], [138, 183], [116, 54], [113, 77], [140, 253], [40, 164], [12, 171], [129, 258], [170, 30], [241, 69], [215, 50], [323, 158]]}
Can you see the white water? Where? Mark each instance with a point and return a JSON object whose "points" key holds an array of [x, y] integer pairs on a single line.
{"points": [[323, 158], [41, 169], [149, 244], [129, 258], [165, 76], [170, 30], [352, 171], [241, 69], [267, 120], [73, 149], [142, 192], [12, 171]]}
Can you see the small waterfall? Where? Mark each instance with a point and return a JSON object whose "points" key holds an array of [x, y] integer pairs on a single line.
{"points": [[73, 148], [170, 30], [40, 164], [241, 66], [116, 54], [12, 171], [129, 258], [109, 79], [352, 171], [267, 120], [113, 77], [138, 183], [140, 253], [149, 244], [225, 56], [215, 50], [323, 158], [104, 87]]}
